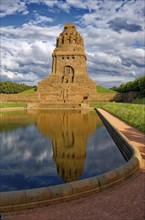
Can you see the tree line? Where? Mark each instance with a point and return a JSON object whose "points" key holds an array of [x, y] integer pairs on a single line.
{"points": [[13, 88], [137, 85]]}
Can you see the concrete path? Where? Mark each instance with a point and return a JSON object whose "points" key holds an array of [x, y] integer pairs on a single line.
{"points": [[125, 201]]}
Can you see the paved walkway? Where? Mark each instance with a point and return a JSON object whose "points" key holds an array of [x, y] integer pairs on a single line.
{"points": [[125, 201]]}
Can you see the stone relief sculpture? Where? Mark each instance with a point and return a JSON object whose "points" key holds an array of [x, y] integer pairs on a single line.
{"points": [[64, 95]]}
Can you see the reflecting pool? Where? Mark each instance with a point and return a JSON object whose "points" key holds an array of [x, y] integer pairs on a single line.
{"points": [[44, 148]]}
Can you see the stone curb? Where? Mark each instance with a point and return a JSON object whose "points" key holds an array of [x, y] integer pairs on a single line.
{"points": [[26, 199], [127, 149]]}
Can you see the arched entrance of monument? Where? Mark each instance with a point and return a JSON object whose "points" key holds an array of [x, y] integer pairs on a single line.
{"points": [[68, 74]]}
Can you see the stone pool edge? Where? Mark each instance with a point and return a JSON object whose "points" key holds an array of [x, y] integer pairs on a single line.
{"points": [[25, 199]]}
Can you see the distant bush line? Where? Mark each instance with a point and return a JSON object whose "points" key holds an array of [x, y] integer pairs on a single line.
{"points": [[14, 88], [137, 85]]}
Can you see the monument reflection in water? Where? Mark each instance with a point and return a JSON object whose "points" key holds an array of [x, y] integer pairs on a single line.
{"points": [[69, 133], [44, 148]]}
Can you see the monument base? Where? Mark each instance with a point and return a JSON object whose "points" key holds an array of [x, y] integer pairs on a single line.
{"points": [[53, 90]]}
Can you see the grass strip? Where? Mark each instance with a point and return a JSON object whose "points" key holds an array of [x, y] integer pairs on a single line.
{"points": [[29, 91], [11, 104], [101, 89], [132, 114]]}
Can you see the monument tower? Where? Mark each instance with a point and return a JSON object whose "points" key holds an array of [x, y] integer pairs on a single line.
{"points": [[69, 81]]}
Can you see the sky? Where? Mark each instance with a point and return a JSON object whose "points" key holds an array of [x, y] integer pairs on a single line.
{"points": [[113, 32]]}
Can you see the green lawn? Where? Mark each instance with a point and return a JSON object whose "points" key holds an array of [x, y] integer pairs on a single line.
{"points": [[29, 91], [101, 89], [17, 104], [133, 114], [139, 100], [11, 104]]}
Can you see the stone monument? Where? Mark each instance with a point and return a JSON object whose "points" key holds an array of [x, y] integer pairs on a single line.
{"points": [[68, 82]]}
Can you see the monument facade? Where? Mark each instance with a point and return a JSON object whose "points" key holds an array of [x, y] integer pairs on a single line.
{"points": [[69, 81]]}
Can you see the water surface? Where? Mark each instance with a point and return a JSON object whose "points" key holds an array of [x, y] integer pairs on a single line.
{"points": [[45, 148]]}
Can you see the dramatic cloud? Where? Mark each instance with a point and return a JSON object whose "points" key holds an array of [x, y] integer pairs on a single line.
{"points": [[119, 24], [9, 7], [112, 31], [26, 52], [41, 20]]}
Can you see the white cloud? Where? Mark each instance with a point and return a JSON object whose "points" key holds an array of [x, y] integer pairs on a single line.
{"points": [[26, 52], [112, 53], [41, 20], [9, 7], [28, 48], [31, 31]]}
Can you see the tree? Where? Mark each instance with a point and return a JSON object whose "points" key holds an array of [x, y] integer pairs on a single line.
{"points": [[137, 85]]}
